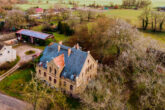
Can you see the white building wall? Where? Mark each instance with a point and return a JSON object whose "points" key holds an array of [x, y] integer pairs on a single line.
{"points": [[7, 54]]}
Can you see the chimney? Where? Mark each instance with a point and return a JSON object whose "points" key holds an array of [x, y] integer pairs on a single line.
{"points": [[77, 46], [59, 47], [60, 42], [69, 52]]}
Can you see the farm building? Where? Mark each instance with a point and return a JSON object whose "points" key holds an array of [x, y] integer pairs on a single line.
{"points": [[32, 36], [66, 68], [39, 10], [161, 8], [7, 54]]}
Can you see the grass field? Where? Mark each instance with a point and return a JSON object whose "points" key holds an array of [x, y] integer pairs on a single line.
{"points": [[51, 3], [160, 36], [127, 14], [14, 84]]}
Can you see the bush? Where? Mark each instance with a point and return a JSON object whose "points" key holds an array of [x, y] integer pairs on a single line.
{"points": [[64, 28], [9, 65], [29, 52]]}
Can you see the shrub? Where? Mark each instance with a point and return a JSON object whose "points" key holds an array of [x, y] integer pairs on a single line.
{"points": [[64, 28], [29, 52]]}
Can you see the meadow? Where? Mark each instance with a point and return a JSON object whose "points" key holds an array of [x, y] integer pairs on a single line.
{"points": [[44, 4]]}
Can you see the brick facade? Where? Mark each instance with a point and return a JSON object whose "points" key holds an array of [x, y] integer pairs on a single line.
{"points": [[52, 75]]}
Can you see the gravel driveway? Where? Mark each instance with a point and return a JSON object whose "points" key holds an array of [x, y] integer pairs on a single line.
{"points": [[24, 48]]}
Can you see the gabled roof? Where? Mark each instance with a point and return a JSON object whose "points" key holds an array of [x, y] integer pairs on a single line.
{"points": [[73, 63], [59, 61], [35, 34]]}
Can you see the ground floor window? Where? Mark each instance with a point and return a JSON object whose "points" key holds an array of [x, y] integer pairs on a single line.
{"points": [[44, 73], [64, 83], [50, 78], [54, 81], [39, 71]]}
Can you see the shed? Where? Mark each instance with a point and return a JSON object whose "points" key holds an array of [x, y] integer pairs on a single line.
{"points": [[32, 36]]}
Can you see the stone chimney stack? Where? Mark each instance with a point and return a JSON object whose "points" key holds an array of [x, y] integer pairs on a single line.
{"points": [[60, 42], [59, 47], [77, 46], [69, 52]]}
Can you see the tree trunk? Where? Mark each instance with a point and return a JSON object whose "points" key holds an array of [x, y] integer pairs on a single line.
{"points": [[161, 26]]}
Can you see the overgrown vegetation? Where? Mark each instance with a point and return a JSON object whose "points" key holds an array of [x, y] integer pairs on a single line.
{"points": [[133, 82], [7, 66]]}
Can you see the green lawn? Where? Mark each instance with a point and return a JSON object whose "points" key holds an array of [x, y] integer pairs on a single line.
{"points": [[51, 3], [160, 36], [127, 14], [60, 37], [14, 84]]}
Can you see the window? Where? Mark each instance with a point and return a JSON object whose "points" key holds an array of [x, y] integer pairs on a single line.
{"points": [[54, 81], [44, 73], [8, 51], [39, 71], [64, 83], [50, 69], [0, 53], [71, 87], [50, 78], [88, 61], [55, 71]]}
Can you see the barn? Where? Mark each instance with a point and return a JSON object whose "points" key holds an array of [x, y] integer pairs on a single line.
{"points": [[33, 37]]}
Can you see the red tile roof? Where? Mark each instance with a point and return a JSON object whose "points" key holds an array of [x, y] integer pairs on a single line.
{"points": [[39, 10], [59, 61]]}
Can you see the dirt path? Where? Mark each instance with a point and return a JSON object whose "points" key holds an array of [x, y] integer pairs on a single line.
{"points": [[10, 103]]}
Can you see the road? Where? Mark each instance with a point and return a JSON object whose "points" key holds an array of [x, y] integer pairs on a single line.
{"points": [[10, 103]]}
